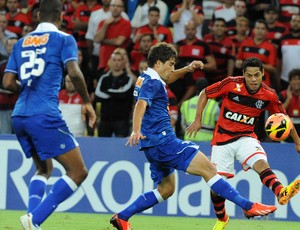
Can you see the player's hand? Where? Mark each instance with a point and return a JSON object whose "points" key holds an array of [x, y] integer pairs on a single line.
{"points": [[193, 128], [195, 65], [134, 138], [87, 109]]}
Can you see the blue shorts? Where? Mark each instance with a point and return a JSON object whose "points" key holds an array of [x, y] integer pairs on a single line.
{"points": [[48, 136], [170, 155]]}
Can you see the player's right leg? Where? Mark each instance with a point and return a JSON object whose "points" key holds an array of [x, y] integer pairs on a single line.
{"points": [[200, 165]]}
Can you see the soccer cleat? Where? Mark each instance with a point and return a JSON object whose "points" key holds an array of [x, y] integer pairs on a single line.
{"points": [[220, 225], [288, 192], [26, 222], [258, 209], [119, 223]]}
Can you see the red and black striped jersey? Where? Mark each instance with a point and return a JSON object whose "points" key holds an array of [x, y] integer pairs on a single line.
{"points": [[198, 50], [223, 51], [265, 51], [240, 110], [16, 23], [83, 13], [287, 9], [274, 34]]}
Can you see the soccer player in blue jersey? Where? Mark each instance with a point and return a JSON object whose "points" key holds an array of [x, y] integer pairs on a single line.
{"points": [[165, 152], [35, 69]]}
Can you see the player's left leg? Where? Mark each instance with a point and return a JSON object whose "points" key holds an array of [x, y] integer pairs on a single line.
{"points": [[164, 190], [64, 187], [38, 182]]}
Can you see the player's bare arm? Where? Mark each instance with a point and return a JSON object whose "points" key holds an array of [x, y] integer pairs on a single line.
{"points": [[10, 82], [78, 81], [296, 139], [195, 126], [138, 114], [176, 74]]}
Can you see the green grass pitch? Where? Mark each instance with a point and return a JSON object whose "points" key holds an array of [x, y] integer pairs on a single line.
{"points": [[9, 220]]}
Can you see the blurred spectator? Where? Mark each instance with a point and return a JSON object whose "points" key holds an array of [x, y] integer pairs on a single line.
{"points": [[289, 51], [287, 9], [182, 14], [291, 99], [112, 32], [192, 48], [242, 33], [223, 50], [173, 108], [127, 65], [261, 48], [256, 8], [210, 114], [81, 19], [160, 33], [7, 98], [225, 11], [143, 65], [3, 8], [183, 88], [70, 104], [4, 35], [96, 17], [140, 17], [140, 54], [115, 93], [275, 28], [240, 9], [26, 30], [16, 19]]}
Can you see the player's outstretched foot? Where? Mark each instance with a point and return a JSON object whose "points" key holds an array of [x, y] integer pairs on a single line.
{"points": [[119, 223], [26, 223], [288, 192], [220, 225], [258, 209]]}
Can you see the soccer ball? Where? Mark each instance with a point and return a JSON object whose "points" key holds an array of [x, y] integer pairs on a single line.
{"points": [[278, 126]]}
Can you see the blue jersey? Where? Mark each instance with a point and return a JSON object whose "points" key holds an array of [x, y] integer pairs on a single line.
{"points": [[39, 59], [156, 123]]}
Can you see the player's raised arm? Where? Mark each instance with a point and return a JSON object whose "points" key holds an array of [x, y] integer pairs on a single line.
{"points": [[176, 74]]}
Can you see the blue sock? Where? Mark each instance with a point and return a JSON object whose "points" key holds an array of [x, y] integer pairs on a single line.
{"points": [[60, 191], [224, 189], [143, 202], [37, 188]]}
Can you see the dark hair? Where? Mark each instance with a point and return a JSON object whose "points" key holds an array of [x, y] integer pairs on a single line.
{"points": [[261, 21], [294, 73], [252, 62], [220, 20], [50, 10], [161, 51], [153, 8]]}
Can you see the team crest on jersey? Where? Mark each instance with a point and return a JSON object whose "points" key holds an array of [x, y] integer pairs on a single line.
{"points": [[35, 40], [238, 87], [241, 118], [259, 104]]}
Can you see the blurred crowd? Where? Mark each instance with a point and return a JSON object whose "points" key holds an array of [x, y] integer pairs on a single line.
{"points": [[115, 36]]}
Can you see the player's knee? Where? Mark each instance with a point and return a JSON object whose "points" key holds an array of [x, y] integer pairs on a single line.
{"points": [[166, 191]]}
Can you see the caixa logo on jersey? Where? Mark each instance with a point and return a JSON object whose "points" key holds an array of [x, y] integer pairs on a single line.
{"points": [[238, 117]]}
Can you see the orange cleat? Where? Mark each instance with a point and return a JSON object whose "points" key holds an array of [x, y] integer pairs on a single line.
{"points": [[259, 210], [119, 223]]}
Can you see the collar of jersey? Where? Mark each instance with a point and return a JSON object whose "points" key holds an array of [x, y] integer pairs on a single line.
{"points": [[46, 27], [154, 75]]}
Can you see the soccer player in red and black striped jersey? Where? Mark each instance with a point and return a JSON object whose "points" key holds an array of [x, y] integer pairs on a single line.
{"points": [[244, 99]]}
